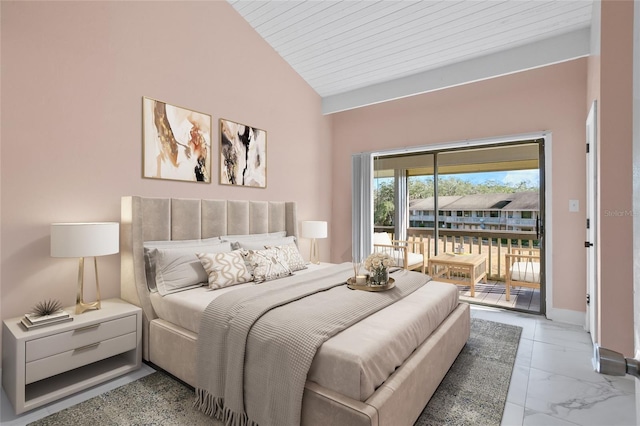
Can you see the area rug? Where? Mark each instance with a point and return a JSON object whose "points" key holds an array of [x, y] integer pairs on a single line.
{"points": [[473, 392]]}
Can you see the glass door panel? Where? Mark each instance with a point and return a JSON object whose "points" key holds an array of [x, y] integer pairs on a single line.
{"points": [[486, 199]]}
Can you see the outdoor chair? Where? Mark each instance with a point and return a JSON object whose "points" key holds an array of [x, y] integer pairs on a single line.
{"points": [[523, 269], [408, 254]]}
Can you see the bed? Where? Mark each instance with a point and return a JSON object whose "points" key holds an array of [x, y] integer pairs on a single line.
{"points": [[345, 385]]}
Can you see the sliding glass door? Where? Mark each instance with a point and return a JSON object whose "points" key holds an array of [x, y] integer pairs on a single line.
{"points": [[487, 199]]}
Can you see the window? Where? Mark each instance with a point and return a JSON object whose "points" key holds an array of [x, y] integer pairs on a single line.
{"points": [[383, 201], [526, 215]]}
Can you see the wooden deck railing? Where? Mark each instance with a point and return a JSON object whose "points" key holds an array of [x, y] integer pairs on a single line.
{"points": [[495, 244]]}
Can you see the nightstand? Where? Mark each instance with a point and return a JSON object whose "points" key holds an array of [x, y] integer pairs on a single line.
{"points": [[44, 364]]}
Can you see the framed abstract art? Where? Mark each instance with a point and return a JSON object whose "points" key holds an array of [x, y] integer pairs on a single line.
{"points": [[176, 142], [243, 155]]}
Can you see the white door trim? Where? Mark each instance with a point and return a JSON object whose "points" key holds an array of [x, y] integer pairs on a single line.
{"points": [[592, 309]]}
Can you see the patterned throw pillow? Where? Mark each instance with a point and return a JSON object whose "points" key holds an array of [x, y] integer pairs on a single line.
{"points": [[225, 269], [292, 256], [268, 264]]}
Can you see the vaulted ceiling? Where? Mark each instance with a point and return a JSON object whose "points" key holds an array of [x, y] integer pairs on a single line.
{"points": [[346, 47]]}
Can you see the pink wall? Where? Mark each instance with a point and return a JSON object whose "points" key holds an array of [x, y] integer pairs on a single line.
{"points": [[73, 77], [550, 98], [616, 180]]}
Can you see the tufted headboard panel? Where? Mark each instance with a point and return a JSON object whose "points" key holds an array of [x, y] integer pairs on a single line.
{"points": [[161, 219]]}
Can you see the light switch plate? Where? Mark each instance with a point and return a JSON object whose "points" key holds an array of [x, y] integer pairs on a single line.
{"points": [[574, 205]]}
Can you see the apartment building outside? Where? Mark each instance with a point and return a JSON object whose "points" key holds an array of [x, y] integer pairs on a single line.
{"points": [[516, 211]]}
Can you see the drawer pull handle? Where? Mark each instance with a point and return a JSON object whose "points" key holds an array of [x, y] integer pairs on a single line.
{"points": [[84, 348], [89, 327]]}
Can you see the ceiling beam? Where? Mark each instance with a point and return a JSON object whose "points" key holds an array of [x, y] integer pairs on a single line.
{"points": [[541, 53]]}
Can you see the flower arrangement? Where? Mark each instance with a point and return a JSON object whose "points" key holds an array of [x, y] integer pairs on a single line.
{"points": [[378, 265]]}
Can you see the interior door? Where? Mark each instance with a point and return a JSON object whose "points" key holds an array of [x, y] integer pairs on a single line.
{"points": [[592, 225]]}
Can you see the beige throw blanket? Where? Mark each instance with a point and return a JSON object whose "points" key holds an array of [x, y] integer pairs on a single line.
{"points": [[255, 345]]}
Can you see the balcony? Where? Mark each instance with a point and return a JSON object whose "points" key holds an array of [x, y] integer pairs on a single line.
{"points": [[495, 244], [473, 220]]}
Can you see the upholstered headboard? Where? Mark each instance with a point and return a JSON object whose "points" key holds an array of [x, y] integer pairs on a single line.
{"points": [[160, 219]]}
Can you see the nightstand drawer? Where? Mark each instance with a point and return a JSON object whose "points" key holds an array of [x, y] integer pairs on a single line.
{"points": [[59, 363], [80, 337]]}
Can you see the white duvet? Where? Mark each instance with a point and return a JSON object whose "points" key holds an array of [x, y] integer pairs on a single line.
{"points": [[357, 360]]}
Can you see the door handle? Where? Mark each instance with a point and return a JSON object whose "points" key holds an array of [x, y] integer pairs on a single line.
{"points": [[538, 228], [587, 244]]}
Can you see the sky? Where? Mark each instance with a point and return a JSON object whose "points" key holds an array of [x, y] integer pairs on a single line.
{"points": [[513, 177]]}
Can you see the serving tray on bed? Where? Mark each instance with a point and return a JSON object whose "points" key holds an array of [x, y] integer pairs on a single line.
{"points": [[364, 287]]}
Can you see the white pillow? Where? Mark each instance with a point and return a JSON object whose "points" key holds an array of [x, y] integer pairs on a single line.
{"points": [[260, 244], [183, 243], [292, 256], [250, 237], [178, 269], [225, 269], [267, 264]]}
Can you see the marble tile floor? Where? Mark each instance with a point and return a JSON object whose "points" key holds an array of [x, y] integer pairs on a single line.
{"points": [[553, 382]]}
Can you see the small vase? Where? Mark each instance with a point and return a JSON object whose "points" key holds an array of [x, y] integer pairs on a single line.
{"points": [[379, 276]]}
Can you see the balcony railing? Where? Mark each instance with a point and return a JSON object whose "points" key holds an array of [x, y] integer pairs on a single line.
{"points": [[507, 221], [494, 243]]}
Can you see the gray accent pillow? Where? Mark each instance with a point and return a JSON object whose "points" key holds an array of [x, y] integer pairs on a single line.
{"points": [[150, 270], [178, 269]]}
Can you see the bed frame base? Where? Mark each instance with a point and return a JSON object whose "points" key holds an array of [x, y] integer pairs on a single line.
{"points": [[398, 401]]}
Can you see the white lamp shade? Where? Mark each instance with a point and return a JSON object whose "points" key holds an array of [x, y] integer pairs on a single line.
{"points": [[85, 239], [314, 229]]}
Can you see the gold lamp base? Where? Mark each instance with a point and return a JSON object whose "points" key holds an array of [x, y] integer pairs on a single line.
{"points": [[81, 305], [314, 255]]}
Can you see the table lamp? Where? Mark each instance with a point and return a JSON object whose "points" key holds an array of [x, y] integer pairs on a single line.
{"points": [[85, 240], [314, 229]]}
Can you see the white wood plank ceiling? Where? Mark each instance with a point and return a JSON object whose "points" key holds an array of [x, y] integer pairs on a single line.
{"points": [[341, 46]]}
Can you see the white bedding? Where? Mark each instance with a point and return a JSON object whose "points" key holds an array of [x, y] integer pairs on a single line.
{"points": [[357, 360], [185, 308]]}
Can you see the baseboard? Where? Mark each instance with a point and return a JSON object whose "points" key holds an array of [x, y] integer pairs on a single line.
{"points": [[567, 316]]}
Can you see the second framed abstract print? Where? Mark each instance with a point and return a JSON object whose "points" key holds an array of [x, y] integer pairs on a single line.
{"points": [[243, 155]]}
